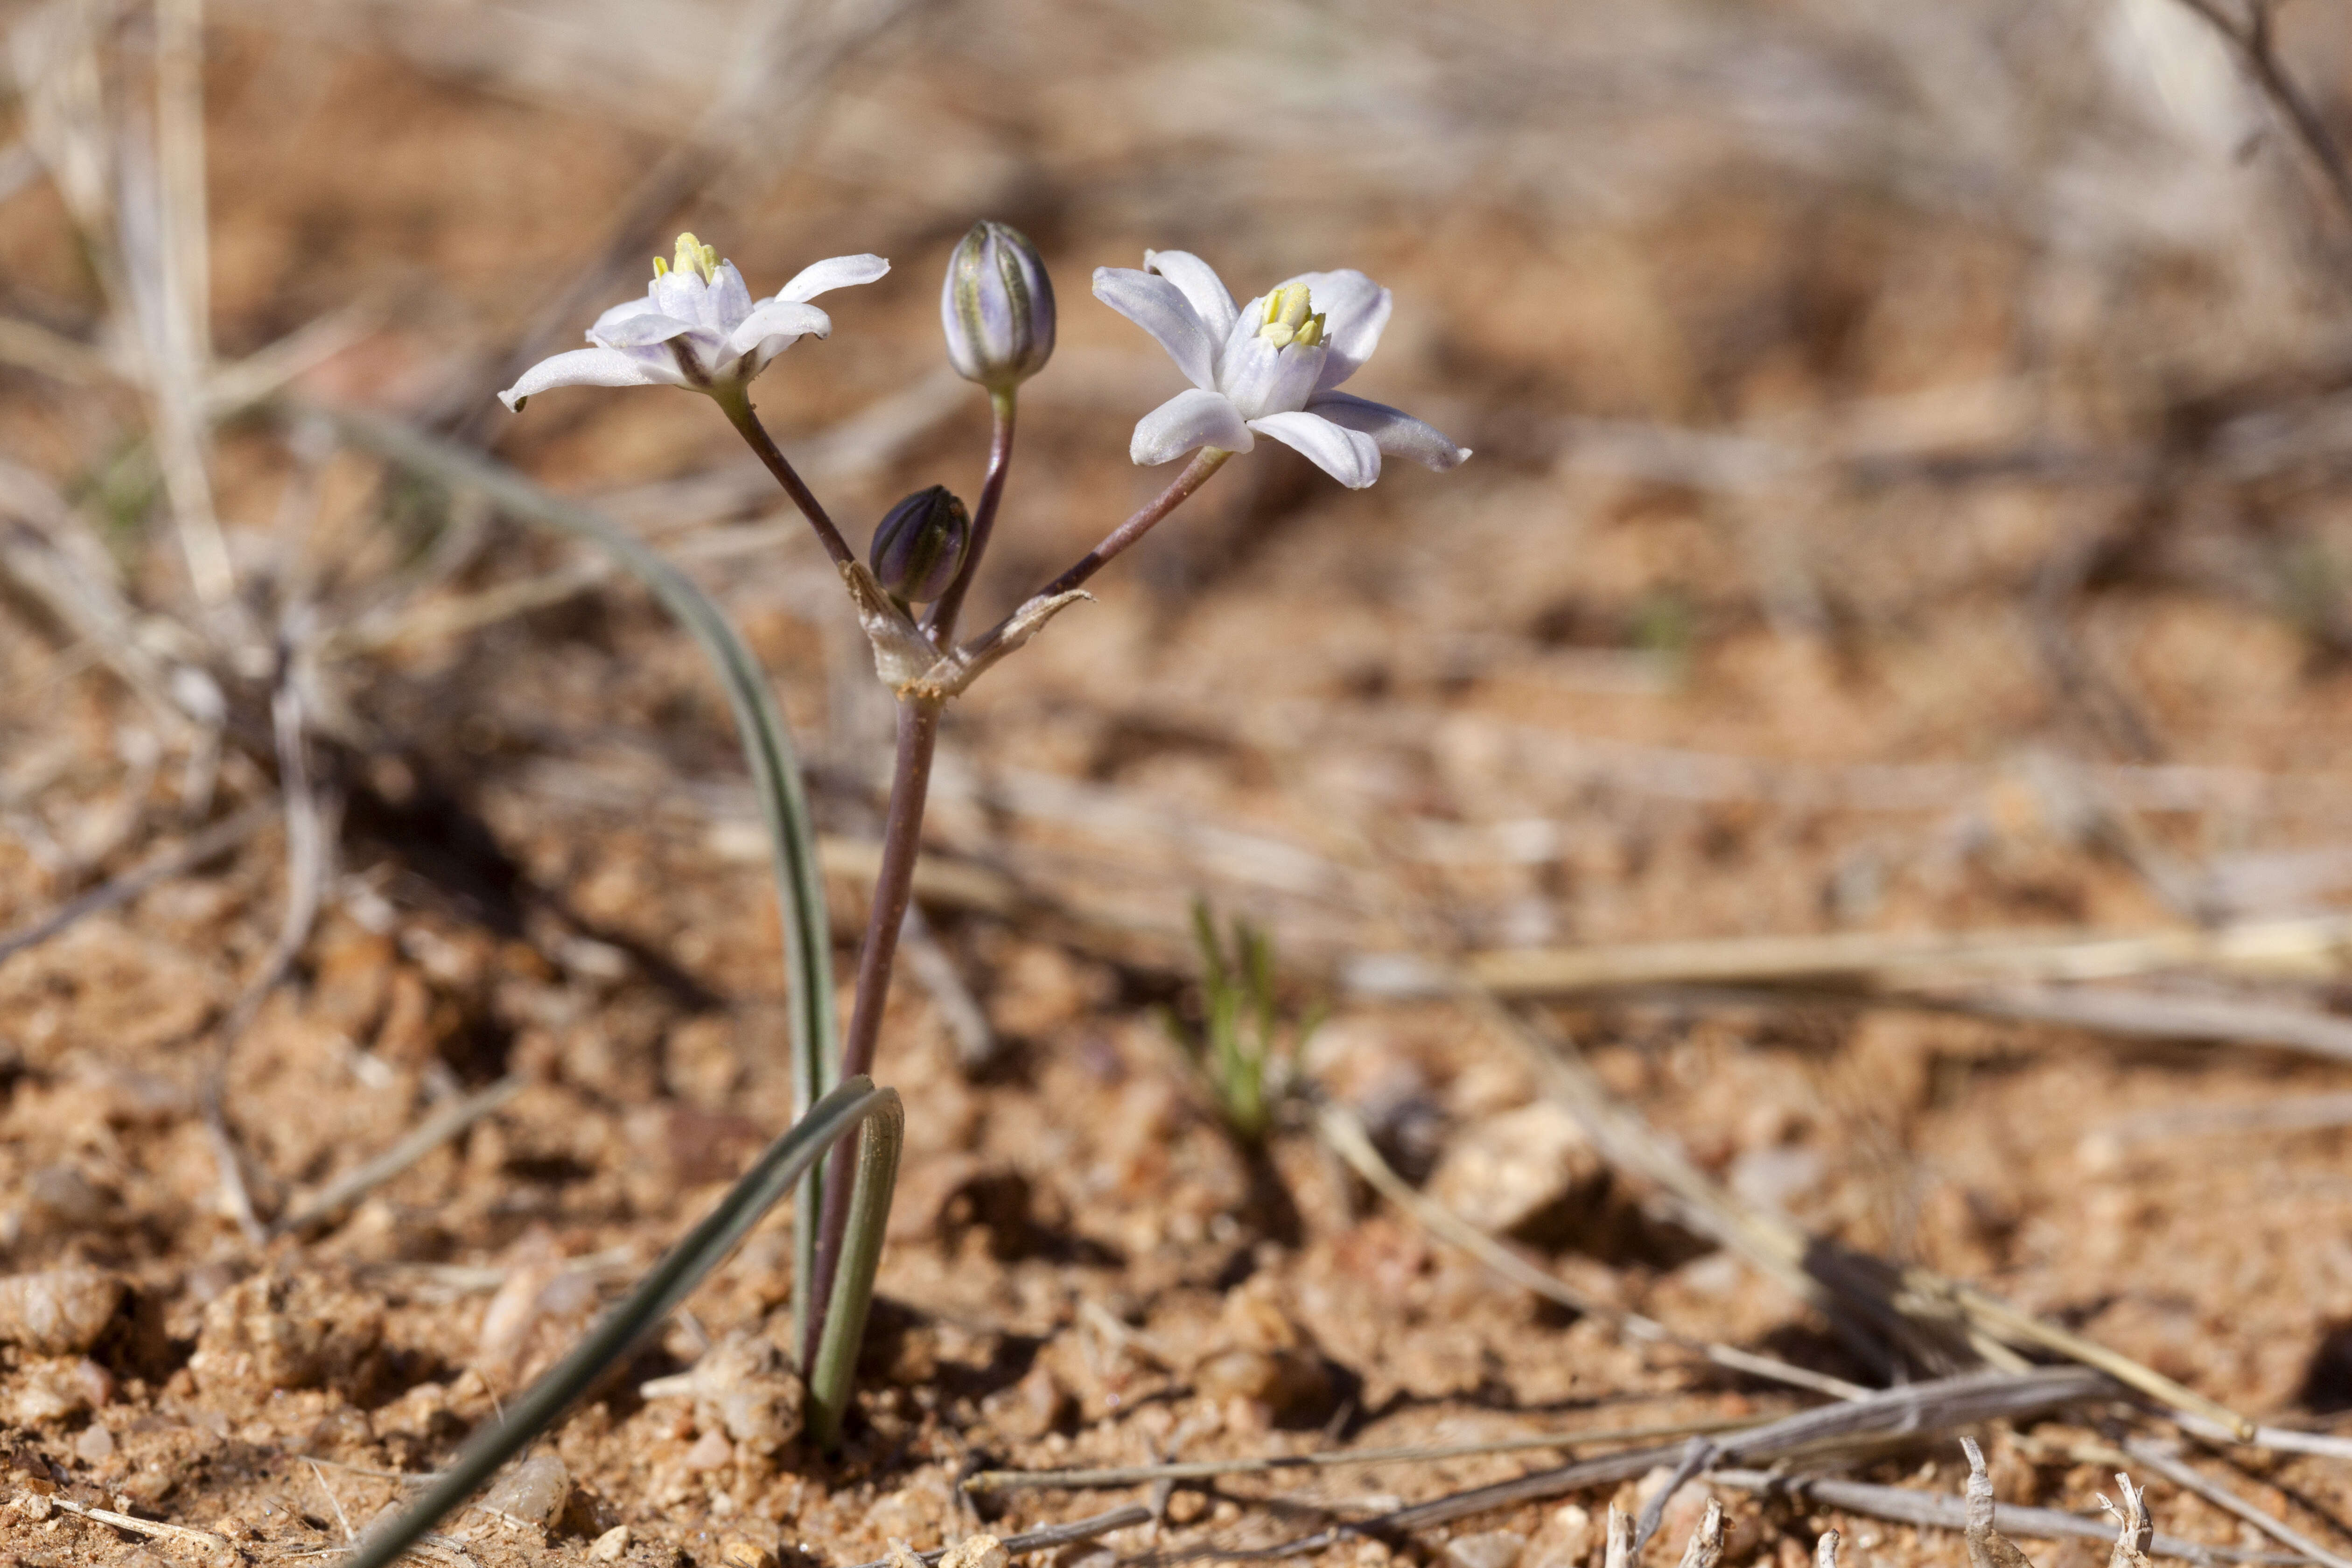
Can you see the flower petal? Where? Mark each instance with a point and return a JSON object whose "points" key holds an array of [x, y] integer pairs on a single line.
{"points": [[1349, 456], [1393, 430], [1203, 287], [637, 330], [786, 319], [1355, 310], [680, 294], [1191, 419], [1261, 379], [585, 367], [834, 272], [727, 302], [1159, 308], [643, 306]]}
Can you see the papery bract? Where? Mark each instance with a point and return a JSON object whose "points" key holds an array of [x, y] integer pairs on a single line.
{"points": [[696, 327], [1272, 367]]}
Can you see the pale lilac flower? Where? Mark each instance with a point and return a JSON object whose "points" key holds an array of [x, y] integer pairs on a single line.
{"points": [[1270, 368], [697, 326]]}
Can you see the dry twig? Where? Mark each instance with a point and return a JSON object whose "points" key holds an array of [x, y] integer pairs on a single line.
{"points": [[1346, 1138]]}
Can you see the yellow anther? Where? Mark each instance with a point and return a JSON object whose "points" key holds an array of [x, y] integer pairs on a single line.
{"points": [[1310, 332], [661, 266], [694, 256], [1286, 319]]}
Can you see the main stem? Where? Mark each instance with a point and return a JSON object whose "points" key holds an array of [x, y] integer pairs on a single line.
{"points": [[910, 784], [737, 406]]}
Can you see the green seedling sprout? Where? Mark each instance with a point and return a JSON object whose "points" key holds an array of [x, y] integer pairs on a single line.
{"points": [[1249, 1062]]}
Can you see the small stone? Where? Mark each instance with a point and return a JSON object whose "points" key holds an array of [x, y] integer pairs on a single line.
{"points": [[976, 1551], [535, 1491], [742, 1552], [611, 1546], [57, 1390], [58, 1312], [286, 1331], [712, 1451], [901, 1555], [1515, 1172], [1486, 1549], [95, 1445]]}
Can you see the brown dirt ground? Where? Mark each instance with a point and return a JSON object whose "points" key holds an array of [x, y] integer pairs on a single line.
{"points": [[1348, 715]]}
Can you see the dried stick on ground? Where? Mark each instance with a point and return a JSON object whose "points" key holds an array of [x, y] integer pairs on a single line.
{"points": [[309, 837], [1988, 1547], [1052, 1535], [1705, 1549], [1920, 1306], [1917, 1411], [1420, 1453], [2168, 1465], [1346, 1136], [1619, 1551], [2257, 46], [1940, 1510], [2134, 1529], [218, 839], [429, 1134]]}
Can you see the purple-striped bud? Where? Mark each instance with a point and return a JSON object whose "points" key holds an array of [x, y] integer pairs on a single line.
{"points": [[919, 547], [998, 307]]}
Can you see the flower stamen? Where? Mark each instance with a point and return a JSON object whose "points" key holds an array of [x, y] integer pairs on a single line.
{"points": [[1288, 320], [694, 256]]}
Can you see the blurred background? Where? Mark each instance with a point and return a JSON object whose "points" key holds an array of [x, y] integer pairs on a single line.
{"points": [[1910, 504]]}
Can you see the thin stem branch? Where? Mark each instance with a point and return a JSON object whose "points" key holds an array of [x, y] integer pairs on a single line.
{"points": [[942, 622], [737, 406], [2255, 42], [1206, 461], [910, 784]]}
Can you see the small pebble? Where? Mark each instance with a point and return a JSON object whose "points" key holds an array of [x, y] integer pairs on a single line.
{"points": [[712, 1451], [1486, 1549], [58, 1312], [742, 1552], [535, 1492], [976, 1551], [95, 1445], [611, 1546]]}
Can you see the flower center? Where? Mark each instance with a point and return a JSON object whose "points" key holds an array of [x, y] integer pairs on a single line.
{"points": [[1288, 321], [693, 255]]}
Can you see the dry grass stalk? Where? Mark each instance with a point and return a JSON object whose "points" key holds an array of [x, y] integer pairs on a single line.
{"points": [[428, 1135], [205, 844], [1207, 1469], [153, 1528], [1988, 1547], [1914, 1411], [1921, 1308], [1705, 1549], [1619, 1551], [1346, 1137], [1045, 1539], [2168, 1465], [1940, 1510]]}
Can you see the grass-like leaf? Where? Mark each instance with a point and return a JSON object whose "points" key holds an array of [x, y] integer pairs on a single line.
{"points": [[767, 748], [855, 1106]]}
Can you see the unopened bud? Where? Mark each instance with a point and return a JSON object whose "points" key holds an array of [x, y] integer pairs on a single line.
{"points": [[997, 307], [919, 546]]}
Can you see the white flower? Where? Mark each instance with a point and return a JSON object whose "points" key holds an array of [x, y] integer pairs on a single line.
{"points": [[1270, 367], [696, 327]]}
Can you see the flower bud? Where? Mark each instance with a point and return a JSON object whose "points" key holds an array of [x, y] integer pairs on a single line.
{"points": [[998, 307], [919, 546]]}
